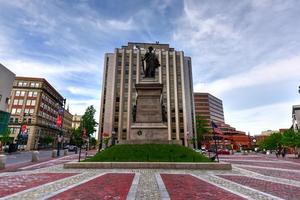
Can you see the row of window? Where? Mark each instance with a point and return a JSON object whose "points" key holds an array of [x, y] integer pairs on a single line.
{"points": [[20, 93], [18, 111], [25, 84], [20, 102]]}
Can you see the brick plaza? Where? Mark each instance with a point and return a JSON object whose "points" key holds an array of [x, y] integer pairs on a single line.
{"points": [[253, 177]]}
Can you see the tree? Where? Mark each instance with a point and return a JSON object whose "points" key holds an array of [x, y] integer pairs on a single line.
{"points": [[202, 129], [93, 142], [272, 142], [5, 137], [290, 138], [88, 122], [76, 137]]}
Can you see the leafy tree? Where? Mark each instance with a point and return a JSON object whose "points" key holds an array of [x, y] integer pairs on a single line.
{"points": [[76, 137], [290, 138], [93, 142], [88, 122], [202, 129], [272, 142], [5, 137]]}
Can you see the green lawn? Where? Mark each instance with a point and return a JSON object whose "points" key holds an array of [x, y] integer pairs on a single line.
{"points": [[148, 153]]}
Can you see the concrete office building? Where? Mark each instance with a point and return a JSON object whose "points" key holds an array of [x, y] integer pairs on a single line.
{"points": [[35, 104], [6, 83], [296, 117], [76, 121], [209, 107], [123, 69]]}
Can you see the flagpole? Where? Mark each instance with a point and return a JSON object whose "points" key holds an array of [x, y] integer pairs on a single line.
{"points": [[217, 156]]}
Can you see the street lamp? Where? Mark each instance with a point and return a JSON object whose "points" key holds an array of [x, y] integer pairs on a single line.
{"points": [[61, 113]]}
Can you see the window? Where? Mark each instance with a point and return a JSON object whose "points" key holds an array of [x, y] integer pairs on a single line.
{"points": [[30, 94], [22, 93], [34, 94], [31, 111], [29, 121], [30, 102], [18, 93], [16, 120], [18, 111], [37, 84], [32, 84], [11, 120], [18, 102], [13, 111]]}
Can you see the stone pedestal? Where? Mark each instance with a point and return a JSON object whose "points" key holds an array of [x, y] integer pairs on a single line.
{"points": [[149, 125]]}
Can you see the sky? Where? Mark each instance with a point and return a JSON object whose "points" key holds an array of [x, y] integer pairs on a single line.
{"points": [[247, 53]]}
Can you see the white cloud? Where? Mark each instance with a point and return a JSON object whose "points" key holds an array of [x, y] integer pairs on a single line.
{"points": [[84, 91], [255, 120], [281, 70], [193, 27]]}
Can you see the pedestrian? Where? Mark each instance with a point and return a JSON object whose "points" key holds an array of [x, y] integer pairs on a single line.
{"points": [[283, 152], [277, 153]]}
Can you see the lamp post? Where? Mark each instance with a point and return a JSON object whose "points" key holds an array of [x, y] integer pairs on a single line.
{"points": [[21, 127], [61, 113]]}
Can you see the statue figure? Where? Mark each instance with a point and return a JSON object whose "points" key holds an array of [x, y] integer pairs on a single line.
{"points": [[134, 113], [151, 64]]}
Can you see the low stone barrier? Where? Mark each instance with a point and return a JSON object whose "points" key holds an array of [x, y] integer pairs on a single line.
{"points": [[66, 152], [147, 165], [35, 156], [2, 161], [54, 153]]}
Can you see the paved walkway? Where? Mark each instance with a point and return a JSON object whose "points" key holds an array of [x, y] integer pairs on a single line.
{"points": [[252, 177]]}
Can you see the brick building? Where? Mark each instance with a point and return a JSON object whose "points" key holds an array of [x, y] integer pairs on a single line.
{"points": [[34, 106]]}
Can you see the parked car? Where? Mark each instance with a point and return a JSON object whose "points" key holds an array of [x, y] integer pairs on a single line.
{"points": [[224, 151], [70, 147]]}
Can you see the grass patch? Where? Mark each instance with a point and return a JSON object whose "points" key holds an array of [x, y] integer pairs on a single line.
{"points": [[148, 153]]}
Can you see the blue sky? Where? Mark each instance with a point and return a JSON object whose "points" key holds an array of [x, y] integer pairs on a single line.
{"points": [[245, 52]]}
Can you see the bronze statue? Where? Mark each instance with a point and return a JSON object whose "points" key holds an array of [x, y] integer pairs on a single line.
{"points": [[151, 64]]}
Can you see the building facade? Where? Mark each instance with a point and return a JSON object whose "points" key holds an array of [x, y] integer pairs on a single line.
{"points": [[209, 107], [76, 121], [34, 107], [296, 117], [123, 69], [6, 83], [67, 125]]}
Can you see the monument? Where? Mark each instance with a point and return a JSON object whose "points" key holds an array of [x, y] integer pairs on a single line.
{"points": [[147, 95], [149, 120]]}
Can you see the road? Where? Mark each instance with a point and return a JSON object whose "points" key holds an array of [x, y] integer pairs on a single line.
{"points": [[22, 157]]}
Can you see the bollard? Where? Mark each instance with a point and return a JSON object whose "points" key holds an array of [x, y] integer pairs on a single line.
{"points": [[65, 152], [35, 156], [54, 153], [2, 161]]}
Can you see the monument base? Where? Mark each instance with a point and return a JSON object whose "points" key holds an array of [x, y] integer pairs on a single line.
{"points": [[150, 142]]}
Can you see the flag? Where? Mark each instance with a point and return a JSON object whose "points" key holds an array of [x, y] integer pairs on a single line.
{"points": [[58, 121], [216, 129]]}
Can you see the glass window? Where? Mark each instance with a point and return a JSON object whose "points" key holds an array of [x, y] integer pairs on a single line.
{"points": [[32, 84], [30, 94], [28, 102], [18, 111], [31, 111], [13, 111], [18, 93], [16, 120], [15, 102], [22, 93], [20, 102], [33, 102], [37, 84], [34, 94]]}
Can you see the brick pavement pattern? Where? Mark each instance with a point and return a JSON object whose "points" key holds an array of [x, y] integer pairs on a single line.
{"points": [[108, 186], [275, 164], [276, 189], [16, 183], [275, 173], [182, 186]]}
